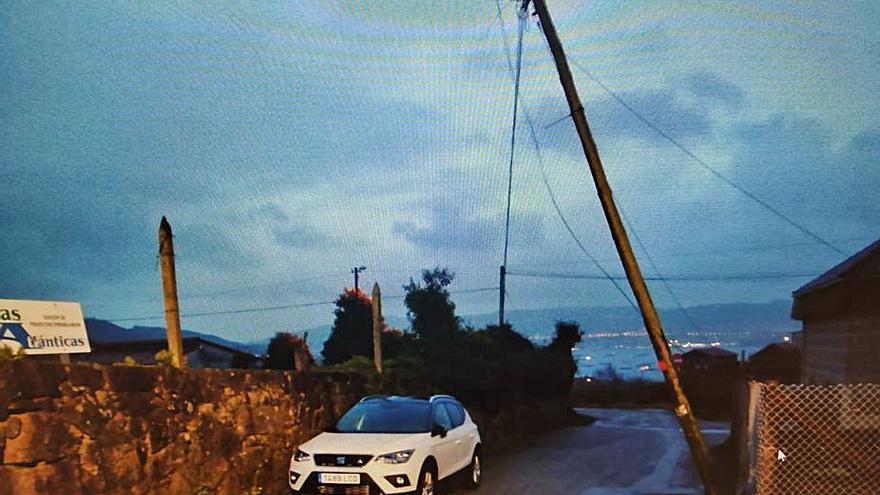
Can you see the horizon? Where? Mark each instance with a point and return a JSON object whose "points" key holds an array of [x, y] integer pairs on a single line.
{"points": [[482, 319]]}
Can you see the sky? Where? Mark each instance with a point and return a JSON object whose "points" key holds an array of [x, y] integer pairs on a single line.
{"points": [[287, 142]]}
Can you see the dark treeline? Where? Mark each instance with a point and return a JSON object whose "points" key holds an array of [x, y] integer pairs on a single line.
{"points": [[489, 368]]}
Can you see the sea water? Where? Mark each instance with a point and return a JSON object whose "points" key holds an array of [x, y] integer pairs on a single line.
{"points": [[631, 356]]}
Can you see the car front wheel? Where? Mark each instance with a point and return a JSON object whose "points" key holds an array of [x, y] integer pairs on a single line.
{"points": [[476, 471], [427, 481]]}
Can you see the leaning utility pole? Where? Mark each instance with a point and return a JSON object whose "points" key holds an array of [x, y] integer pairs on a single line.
{"points": [[377, 327], [689, 425], [169, 286]]}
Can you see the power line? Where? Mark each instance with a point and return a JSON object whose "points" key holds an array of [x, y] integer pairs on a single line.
{"points": [[516, 79], [552, 196], [229, 312], [705, 165], [672, 296], [276, 308], [684, 278], [712, 252]]}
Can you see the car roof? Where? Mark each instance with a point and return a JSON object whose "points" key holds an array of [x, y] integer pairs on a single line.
{"points": [[408, 399]]}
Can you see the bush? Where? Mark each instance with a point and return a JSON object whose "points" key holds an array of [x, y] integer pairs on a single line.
{"points": [[163, 358], [281, 353], [608, 388]]}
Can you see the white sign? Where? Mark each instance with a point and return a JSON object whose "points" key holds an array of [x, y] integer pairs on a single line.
{"points": [[43, 327]]}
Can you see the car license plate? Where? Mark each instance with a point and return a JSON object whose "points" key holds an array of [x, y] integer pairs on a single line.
{"points": [[340, 478]]}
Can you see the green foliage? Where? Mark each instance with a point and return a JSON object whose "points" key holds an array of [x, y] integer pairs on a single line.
{"points": [[360, 364], [282, 349], [491, 369], [163, 357], [129, 361], [352, 332], [430, 310], [568, 334], [607, 388]]}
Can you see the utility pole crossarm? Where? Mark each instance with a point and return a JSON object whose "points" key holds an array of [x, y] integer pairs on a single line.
{"points": [[689, 425]]}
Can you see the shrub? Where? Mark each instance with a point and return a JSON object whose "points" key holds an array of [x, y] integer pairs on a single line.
{"points": [[282, 351], [163, 357]]}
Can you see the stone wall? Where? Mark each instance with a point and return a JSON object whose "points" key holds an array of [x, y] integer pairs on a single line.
{"points": [[89, 429]]}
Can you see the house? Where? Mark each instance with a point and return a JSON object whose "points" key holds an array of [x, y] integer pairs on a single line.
{"points": [[709, 361], [840, 311], [708, 375], [779, 362], [112, 344]]}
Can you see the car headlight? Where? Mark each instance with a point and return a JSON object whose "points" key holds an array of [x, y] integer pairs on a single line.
{"points": [[396, 457], [300, 456]]}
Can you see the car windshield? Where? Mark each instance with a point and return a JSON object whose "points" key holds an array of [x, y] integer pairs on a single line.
{"points": [[385, 416]]}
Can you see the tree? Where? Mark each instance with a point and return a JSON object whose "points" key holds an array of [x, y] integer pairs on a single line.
{"points": [[430, 310], [568, 334], [282, 350], [352, 332]]}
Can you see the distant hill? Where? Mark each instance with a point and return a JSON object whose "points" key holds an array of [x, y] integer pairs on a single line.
{"points": [[105, 331]]}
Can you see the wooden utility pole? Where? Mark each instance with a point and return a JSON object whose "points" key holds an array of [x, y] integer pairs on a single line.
{"points": [[689, 425], [169, 287], [301, 361], [502, 288], [377, 327], [357, 272]]}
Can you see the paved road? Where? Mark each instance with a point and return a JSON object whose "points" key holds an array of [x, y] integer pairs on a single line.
{"points": [[625, 452]]}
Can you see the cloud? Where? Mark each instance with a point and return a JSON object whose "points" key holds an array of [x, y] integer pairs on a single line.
{"points": [[451, 227], [791, 162], [610, 119], [682, 109], [104, 136], [713, 88], [300, 236]]}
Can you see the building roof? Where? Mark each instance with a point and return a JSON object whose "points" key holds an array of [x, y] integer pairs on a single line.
{"points": [[711, 351], [776, 349], [840, 271], [105, 334]]}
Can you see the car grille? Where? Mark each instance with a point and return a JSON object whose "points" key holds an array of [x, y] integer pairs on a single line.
{"points": [[343, 460], [344, 490]]}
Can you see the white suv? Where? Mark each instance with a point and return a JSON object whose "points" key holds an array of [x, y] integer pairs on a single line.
{"points": [[386, 445]]}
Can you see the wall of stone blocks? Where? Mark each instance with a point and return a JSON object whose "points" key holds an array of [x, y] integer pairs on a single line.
{"points": [[87, 429]]}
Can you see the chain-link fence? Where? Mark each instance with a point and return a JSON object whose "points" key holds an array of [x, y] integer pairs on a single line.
{"points": [[816, 440]]}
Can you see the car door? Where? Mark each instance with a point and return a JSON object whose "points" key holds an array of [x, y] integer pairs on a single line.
{"points": [[445, 447], [459, 435]]}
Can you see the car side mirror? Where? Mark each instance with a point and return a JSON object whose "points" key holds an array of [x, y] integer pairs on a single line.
{"points": [[438, 431]]}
